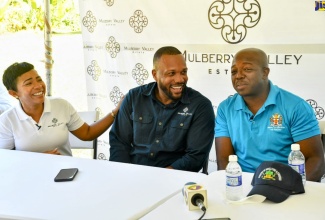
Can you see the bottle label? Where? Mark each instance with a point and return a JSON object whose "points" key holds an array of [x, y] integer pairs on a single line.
{"points": [[234, 180], [300, 168]]}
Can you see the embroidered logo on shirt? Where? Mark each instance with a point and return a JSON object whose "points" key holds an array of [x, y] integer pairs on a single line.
{"points": [[55, 123], [276, 122], [184, 113]]}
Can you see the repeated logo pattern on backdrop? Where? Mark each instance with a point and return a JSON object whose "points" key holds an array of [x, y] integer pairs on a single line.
{"points": [[319, 111], [109, 2], [89, 21], [115, 95], [138, 21], [140, 74], [234, 17], [120, 38], [94, 70], [112, 47]]}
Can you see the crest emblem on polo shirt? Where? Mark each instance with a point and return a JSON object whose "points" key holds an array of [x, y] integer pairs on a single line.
{"points": [[276, 120]]}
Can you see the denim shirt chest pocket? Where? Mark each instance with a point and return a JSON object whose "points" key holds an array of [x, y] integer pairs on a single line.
{"points": [[177, 133], [142, 128]]}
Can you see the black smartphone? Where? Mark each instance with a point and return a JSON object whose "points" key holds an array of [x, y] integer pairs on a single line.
{"points": [[66, 175], [216, 219]]}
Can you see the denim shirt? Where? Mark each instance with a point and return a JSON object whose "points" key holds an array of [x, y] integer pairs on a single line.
{"points": [[148, 132]]}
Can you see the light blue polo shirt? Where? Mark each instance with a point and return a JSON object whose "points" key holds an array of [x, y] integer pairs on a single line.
{"points": [[283, 119]]}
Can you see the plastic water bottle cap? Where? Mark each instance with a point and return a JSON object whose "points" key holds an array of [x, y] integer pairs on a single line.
{"points": [[295, 147], [232, 158]]}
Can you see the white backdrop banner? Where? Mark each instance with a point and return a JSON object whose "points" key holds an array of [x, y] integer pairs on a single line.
{"points": [[121, 36]]}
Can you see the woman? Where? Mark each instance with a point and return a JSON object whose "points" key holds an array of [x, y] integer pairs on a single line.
{"points": [[38, 123]]}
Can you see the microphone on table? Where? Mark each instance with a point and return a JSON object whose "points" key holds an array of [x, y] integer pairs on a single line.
{"points": [[195, 196]]}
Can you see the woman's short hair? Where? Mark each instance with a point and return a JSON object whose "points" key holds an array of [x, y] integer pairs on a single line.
{"points": [[11, 74]]}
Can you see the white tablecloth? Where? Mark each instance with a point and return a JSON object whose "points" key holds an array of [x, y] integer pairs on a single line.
{"points": [[101, 189], [307, 206]]}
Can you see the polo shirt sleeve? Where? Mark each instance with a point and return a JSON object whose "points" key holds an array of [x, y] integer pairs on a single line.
{"points": [[75, 121], [304, 122]]}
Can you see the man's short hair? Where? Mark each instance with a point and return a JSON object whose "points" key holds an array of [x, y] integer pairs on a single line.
{"points": [[168, 50]]}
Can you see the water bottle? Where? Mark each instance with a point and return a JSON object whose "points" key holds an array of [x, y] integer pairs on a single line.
{"points": [[297, 161], [234, 187]]}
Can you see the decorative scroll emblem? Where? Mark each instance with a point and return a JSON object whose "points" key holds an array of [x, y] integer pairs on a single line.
{"points": [[101, 156], [94, 70], [138, 21], [319, 111], [139, 74], [112, 47], [116, 95], [109, 2], [89, 21], [233, 17]]}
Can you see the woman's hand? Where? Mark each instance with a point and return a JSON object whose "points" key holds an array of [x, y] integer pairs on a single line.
{"points": [[55, 152]]}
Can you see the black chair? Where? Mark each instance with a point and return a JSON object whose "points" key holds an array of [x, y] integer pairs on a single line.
{"points": [[205, 166]]}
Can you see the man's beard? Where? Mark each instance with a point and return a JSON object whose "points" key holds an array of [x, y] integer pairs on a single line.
{"points": [[169, 94]]}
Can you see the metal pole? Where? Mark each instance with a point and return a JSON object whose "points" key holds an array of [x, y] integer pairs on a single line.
{"points": [[48, 46]]}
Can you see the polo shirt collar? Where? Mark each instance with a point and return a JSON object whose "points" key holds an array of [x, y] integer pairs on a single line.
{"points": [[23, 116], [150, 91], [271, 98]]}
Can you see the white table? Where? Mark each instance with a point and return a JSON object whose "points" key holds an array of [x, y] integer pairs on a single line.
{"points": [[101, 189], [309, 205]]}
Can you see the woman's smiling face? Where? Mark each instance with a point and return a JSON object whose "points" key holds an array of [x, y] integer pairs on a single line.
{"points": [[30, 89]]}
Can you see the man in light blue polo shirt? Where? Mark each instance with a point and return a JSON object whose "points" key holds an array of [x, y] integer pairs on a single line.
{"points": [[261, 121]]}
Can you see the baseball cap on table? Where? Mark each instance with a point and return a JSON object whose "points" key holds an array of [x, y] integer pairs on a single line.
{"points": [[276, 181]]}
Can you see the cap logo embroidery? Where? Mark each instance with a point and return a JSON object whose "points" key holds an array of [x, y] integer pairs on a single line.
{"points": [[270, 174]]}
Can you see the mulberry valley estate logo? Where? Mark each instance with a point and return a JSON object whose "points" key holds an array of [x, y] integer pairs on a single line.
{"points": [[318, 110], [89, 21], [109, 2], [115, 95], [112, 47], [234, 18], [140, 74], [94, 70], [138, 21]]}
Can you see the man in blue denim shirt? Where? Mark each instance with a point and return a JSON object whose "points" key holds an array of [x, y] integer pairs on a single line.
{"points": [[164, 123]]}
